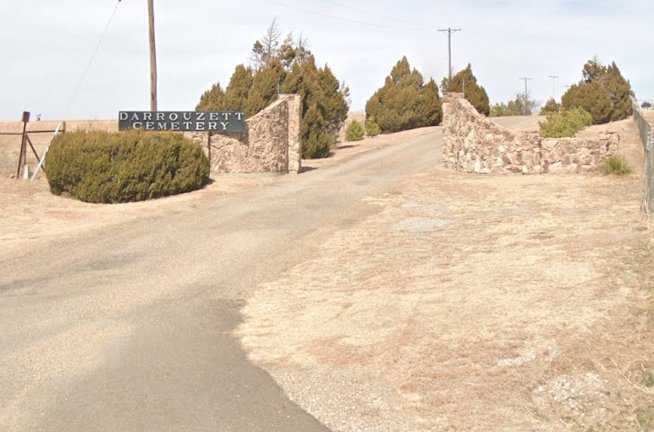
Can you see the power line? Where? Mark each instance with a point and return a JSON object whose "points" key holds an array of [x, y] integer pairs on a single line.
{"points": [[335, 18], [449, 31], [95, 51], [370, 13], [554, 78]]}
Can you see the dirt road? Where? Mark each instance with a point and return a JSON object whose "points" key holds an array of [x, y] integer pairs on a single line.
{"points": [[378, 292], [128, 324]]}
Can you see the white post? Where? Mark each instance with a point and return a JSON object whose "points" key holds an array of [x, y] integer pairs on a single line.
{"points": [[38, 167]]}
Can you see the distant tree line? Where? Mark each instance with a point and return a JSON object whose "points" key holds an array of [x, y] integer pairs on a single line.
{"points": [[521, 105], [602, 92], [404, 101]]}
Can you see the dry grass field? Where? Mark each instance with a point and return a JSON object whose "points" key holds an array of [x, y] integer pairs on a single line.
{"points": [[471, 303]]}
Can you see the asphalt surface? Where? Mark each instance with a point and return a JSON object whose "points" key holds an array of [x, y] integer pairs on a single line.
{"points": [[129, 328]]}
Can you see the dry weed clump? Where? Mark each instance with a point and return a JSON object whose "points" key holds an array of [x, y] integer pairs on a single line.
{"points": [[615, 165]]}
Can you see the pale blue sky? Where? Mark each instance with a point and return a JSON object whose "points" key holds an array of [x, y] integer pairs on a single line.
{"points": [[46, 46]]}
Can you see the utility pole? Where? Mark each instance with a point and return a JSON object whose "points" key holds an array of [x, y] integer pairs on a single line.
{"points": [[153, 58], [449, 31], [526, 107], [554, 78]]}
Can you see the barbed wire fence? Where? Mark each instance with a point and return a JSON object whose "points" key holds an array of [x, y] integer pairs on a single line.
{"points": [[646, 131]]}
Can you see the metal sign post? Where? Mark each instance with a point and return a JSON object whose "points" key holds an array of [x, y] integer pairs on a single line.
{"points": [[209, 147]]}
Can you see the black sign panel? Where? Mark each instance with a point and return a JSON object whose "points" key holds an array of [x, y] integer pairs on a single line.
{"points": [[182, 121]]}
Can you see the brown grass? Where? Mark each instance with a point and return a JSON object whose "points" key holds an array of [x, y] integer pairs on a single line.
{"points": [[10, 144], [471, 303]]}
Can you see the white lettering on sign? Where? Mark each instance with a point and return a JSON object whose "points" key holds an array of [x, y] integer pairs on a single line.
{"points": [[185, 121]]}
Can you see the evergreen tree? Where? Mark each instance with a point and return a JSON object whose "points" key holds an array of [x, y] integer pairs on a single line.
{"points": [[620, 92], [400, 71], [302, 79], [318, 88], [265, 87], [429, 107], [372, 128], [212, 99], [593, 70], [315, 140], [236, 93], [590, 96], [354, 131], [603, 92], [404, 101], [550, 107], [465, 82], [333, 100]]}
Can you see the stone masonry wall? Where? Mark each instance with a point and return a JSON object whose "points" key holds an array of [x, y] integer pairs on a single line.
{"points": [[575, 155], [472, 143], [271, 142]]}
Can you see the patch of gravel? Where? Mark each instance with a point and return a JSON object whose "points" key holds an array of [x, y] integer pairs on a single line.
{"points": [[370, 404], [418, 225], [581, 396]]}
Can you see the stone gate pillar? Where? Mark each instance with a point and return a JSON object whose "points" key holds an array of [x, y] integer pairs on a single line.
{"points": [[294, 132]]}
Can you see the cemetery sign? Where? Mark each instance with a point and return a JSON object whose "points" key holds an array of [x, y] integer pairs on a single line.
{"points": [[182, 121]]}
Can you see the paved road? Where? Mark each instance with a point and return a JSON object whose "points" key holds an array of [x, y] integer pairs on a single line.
{"points": [[129, 328]]}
